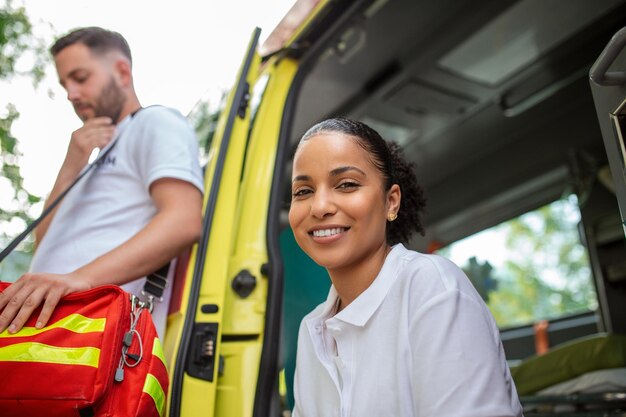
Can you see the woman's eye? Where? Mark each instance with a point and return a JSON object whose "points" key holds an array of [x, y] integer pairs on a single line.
{"points": [[348, 185], [301, 192]]}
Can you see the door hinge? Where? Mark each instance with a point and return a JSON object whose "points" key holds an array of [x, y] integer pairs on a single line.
{"points": [[245, 100]]}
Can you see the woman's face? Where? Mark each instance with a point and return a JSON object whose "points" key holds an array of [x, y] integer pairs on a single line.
{"points": [[339, 206]]}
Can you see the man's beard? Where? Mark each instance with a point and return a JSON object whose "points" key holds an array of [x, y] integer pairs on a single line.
{"points": [[111, 102]]}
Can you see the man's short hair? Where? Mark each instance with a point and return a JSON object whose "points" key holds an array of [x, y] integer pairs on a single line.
{"points": [[97, 39]]}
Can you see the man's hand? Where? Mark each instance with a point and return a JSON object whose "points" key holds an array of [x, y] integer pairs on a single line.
{"points": [[19, 300], [95, 133], [176, 226]]}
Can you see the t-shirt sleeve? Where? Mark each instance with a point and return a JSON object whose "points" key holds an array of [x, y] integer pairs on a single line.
{"points": [[168, 148], [459, 368]]}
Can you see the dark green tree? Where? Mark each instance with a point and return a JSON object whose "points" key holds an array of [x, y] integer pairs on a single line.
{"points": [[481, 277]]}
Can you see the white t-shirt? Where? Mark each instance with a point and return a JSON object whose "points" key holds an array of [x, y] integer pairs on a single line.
{"points": [[419, 342], [112, 203]]}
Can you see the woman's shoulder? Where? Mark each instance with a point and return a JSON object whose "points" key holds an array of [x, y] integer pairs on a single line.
{"points": [[429, 273], [418, 262]]}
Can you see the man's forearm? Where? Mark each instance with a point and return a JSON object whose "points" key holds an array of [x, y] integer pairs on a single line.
{"points": [[155, 245], [170, 231], [176, 225]]}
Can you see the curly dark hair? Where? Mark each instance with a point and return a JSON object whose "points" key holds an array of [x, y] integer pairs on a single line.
{"points": [[97, 39], [389, 159]]}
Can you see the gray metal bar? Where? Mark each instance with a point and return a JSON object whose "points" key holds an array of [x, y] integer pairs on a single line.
{"points": [[599, 71]]}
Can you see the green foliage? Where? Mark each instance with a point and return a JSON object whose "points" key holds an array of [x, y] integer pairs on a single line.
{"points": [[204, 118], [480, 274], [547, 274], [21, 54], [17, 40], [15, 29], [540, 271], [20, 200]]}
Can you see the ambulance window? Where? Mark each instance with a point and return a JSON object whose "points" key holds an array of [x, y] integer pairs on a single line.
{"points": [[530, 268]]}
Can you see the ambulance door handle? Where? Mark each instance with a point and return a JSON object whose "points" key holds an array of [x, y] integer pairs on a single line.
{"points": [[201, 362], [244, 283]]}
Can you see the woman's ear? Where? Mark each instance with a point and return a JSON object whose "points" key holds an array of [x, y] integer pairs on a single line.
{"points": [[394, 196]]}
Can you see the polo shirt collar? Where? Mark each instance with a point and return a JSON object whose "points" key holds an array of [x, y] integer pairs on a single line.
{"points": [[359, 311]]}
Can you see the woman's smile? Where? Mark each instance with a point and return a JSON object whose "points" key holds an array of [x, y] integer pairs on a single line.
{"points": [[328, 234], [339, 206]]}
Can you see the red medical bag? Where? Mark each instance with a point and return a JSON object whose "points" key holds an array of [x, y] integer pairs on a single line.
{"points": [[99, 355]]}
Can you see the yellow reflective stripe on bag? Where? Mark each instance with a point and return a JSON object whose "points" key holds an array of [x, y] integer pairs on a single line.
{"points": [[74, 323], [38, 352], [154, 390], [157, 350]]}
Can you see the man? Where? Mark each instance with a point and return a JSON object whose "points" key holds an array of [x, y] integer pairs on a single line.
{"points": [[138, 209]]}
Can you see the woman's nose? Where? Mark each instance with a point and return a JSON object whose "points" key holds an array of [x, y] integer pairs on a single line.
{"points": [[322, 204]]}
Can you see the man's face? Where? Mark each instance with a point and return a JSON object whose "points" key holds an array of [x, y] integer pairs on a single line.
{"points": [[92, 84]]}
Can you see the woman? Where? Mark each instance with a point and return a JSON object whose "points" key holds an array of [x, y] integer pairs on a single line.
{"points": [[401, 333]]}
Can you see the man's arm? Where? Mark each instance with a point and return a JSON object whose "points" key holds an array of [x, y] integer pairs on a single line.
{"points": [[95, 133], [176, 225]]}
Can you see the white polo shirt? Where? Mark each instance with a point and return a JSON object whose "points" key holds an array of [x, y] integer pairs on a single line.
{"points": [[418, 342], [112, 203]]}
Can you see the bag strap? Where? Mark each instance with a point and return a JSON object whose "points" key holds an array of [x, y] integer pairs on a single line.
{"points": [[52, 205], [156, 282]]}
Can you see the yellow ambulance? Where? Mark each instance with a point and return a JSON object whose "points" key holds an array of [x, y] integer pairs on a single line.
{"points": [[493, 102]]}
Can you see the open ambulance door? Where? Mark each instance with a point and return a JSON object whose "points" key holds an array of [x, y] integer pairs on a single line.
{"points": [[223, 345], [608, 85], [193, 345]]}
